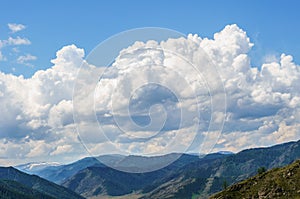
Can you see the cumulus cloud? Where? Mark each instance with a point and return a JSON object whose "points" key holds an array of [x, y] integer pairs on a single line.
{"points": [[16, 27], [152, 100], [36, 112], [259, 101]]}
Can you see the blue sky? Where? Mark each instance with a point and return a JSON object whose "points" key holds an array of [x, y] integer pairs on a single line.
{"points": [[254, 89], [272, 25]]}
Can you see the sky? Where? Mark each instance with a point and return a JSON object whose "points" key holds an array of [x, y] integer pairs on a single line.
{"points": [[273, 25], [252, 45]]}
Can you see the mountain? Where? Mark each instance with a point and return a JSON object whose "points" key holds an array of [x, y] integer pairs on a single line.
{"points": [[202, 179], [16, 182], [277, 183], [59, 174], [100, 181], [187, 177]]}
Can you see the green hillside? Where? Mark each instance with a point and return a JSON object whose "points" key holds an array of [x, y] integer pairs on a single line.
{"points": [[11, 189], [276, 183], [16, 184]]}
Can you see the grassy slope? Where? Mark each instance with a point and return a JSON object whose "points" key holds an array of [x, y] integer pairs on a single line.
{"points": [[276, 183]]}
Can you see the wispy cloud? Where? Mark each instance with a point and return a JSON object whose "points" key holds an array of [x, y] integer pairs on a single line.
{"points": [[14, 42], [2, 58], [16, 27], [269, 58], [24, 59], [11, 41], [18, 41]]}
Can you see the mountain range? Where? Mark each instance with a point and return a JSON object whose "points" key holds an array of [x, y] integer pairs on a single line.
{"points": [[190, 176], [202, 179]]}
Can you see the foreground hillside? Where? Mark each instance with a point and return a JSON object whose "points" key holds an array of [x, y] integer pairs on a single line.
{"points": [[276, 183], [16, 184]]}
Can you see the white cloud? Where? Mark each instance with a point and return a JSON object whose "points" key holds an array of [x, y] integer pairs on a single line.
{"points": [[16, 27], [14, 41], [61, 114], [262, 105], [254, 97], [38, 148], [25, 59], [18, 41], [34, 110]]}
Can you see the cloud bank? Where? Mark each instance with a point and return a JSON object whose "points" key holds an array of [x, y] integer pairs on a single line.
{"points": [[262, 104]]}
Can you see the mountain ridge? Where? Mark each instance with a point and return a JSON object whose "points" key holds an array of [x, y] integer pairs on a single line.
{"points": [[200, 178]]}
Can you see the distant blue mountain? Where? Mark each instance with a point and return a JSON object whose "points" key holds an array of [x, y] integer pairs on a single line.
{"points": [[60, 173]]}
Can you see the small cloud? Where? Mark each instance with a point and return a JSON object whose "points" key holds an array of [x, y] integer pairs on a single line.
{"points": [[16, 27], [14, 42], [24, 59], [18, 41]]}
